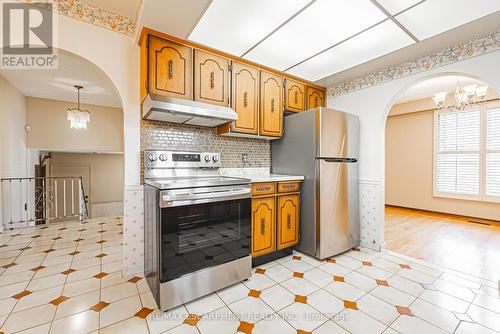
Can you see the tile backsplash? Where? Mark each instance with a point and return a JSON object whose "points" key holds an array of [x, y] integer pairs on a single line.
{"points": [[169, 136]]}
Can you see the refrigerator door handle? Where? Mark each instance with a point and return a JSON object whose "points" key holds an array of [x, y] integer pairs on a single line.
{"points": [[346, 160]]}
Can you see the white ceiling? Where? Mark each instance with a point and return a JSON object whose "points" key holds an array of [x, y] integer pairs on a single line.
{"points": [[318, 38], [433, 86], [58, 84]]}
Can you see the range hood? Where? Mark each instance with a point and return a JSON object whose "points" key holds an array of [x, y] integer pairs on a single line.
{"points": [[174, 110]]}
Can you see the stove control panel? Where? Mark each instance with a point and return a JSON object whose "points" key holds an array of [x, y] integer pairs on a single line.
{"points": [[177, 159]]}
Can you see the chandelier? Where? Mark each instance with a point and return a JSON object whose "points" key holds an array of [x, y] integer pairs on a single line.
{"points": [[464, 97], [77, 117]]}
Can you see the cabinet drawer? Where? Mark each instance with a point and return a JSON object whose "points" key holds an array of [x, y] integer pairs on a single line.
{"points": [[267, 188], [288, 187]]}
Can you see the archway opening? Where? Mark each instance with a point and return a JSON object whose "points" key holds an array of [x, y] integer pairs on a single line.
{"points": [[51, 171], [442, 173]]}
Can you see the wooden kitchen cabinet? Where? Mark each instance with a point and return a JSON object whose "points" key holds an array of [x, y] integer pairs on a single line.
{"points": [[245, 98], [170, 66], [271, 105], [288, 221], [315, 98], [211, 78], [295, 95], [263, 226]]}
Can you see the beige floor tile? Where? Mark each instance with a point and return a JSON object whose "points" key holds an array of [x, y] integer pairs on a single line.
{"points": [[81, 287], [233, 293], [461, 281], [318, 277], [148, 300], [46, 282], [470, 328], [50, 261], [386, 265], [119, 291], [361, 281], [334, 269], [392, 296], [6, 279], [132, 325], [205, 304], [81, 274], [361, 256], [112, 267], [325, 303], [112, 279], [42, 329], [7, 305], [445, 301], [277, 297], [7, 291], [120, 310], [378, 309], [358, 322], [344, 291], [259, 282], [435, 315], [159, 322], [183, 329], [299, 286], [413, 325], [374, 272], [297, 265], [417, 276], [484, 317], [405, 285], [273, 324], [221, 321], [302, 316], [279, 273], [488, 302], [82, 322], [51, 270], [330, 327], [251, 309], [38, 298], [77, 304], [29, 318]]}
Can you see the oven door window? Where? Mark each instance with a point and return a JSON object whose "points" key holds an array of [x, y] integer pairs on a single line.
{"points": [[199, 236]]}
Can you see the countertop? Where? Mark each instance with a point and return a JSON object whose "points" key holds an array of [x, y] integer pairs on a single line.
{"points": [[259, 174]]}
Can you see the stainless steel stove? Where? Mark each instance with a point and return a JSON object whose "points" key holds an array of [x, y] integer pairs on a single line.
{"points": [[197, 226]]}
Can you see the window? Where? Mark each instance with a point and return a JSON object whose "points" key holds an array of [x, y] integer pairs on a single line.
{"points": [[467, 153]]}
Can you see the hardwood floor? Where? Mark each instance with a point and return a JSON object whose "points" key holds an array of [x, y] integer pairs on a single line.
{"points": [[443, 239]]}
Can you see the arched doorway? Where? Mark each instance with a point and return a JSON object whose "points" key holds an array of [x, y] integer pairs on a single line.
{"points": [[440, 180]]}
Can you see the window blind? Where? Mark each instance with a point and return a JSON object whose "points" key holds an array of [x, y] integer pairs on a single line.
{"points": [[492, 173], [458, 140]]}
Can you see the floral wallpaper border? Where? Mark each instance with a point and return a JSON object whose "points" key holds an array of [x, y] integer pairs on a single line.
{"points": [[465, 50], [90, 13]]}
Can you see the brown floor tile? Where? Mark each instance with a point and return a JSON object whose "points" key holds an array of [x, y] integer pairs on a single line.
{"points": [[59, 300], [99, 306], [382, 282], [101, 241], [21, 294], [192, 319], [135, 279], [101, 275], [245, 327], [254, 293], [367, 263], [331, 260], [351, 305], [404, 266], [49, 250], [301, 299], [144, 312], [260, 271], [38, 268], [101, 255], [9, 265], [296, 257], [338, 279], [404, 311], [69, 271], [298, 275], [74, 253], [300, 331]]}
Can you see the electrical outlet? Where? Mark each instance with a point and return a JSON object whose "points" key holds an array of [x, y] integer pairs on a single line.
{"points": [[244, 158]]}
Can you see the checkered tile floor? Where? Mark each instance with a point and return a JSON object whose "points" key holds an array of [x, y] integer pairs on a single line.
{"points": [[66, 278]]}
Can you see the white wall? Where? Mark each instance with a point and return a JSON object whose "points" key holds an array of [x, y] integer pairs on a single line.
{"points": [[372, 105]]}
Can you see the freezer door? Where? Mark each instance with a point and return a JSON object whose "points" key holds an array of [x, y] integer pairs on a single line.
{"points": [[337, 222], [337, 134]]}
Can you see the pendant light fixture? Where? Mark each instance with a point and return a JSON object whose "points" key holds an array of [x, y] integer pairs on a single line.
{"points": [[77, 117]]}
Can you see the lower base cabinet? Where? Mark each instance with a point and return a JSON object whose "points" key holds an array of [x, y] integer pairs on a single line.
{"points": [[275, 216]]}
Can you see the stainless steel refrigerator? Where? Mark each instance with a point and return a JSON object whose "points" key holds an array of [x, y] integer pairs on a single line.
{"points": [[323, 145]]}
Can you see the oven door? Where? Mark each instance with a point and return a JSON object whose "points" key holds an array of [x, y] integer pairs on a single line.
{"points": [[202, 228]]}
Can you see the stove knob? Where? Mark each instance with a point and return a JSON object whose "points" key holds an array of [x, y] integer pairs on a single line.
{"points": [[207, 158], [215, 158], [152, 157], [163, 157]]}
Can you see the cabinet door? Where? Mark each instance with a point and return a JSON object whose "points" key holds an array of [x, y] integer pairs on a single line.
{"points": [[263, 226], [245, 98], [295, 95], [170, 67], [315, 98], [211, 78], [288, 221], [271, 108]]}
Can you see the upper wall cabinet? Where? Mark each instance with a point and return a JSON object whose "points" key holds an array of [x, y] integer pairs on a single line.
{"points": [[211, 78], [245, 98], [271, 105], [170, 67], [295, 95], [315, 98]]}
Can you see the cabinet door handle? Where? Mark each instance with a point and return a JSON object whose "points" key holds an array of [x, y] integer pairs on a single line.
{"points": [[272, 104], [263, 226], [245, 99], [288, 221], [212, 80], [296, 97], [170, 69], [263, 188]]}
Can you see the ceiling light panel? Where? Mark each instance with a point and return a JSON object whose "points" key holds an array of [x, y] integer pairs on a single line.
{"points": [[397, 6], [234, 26], [436, 16], [320, 26], [375, 42]]}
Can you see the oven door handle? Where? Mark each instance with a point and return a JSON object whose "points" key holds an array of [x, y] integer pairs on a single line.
{"points": [[170, 200]]}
